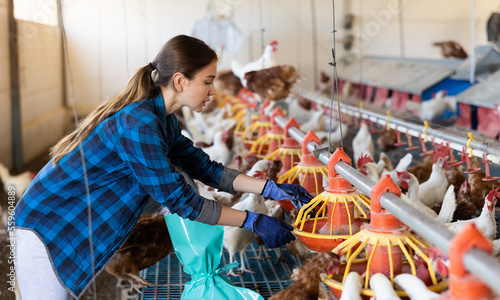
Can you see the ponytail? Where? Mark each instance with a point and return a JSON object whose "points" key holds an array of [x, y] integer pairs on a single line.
{"points": [[184, 54], [138, 88]]}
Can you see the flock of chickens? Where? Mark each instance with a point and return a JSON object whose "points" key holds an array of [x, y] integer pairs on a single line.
{"points": [[434, 188]]}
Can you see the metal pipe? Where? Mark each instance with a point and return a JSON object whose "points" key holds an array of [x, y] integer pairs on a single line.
{"points": [[456, 143], [477, 262]]}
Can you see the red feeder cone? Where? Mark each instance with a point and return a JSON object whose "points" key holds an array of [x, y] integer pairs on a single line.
{"points": [[337, 212], [309, 171], [290, 154], [463, 285], [387, 245]]}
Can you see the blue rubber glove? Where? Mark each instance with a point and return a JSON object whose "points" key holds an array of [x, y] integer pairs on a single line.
{"points": [[272, 231], [285, 191]]}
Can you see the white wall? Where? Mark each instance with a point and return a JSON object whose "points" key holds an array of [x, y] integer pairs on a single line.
{"points": [[5, 107], [97, 33], [43, 116]]}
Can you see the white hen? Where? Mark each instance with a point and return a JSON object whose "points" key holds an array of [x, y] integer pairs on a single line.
{"points": [[415, 287], [382, 287], [485, 223], [352, 287], [238, 239], [17, 183], [267, 60], [433, 190], [402, 165], [314, 123], [219, 151], [410, 182]]}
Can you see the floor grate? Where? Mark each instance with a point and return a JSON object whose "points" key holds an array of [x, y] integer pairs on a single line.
{"points": [[269, 278]]}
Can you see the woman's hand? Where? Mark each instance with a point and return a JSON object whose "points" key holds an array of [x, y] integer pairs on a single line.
{"points": [[285, 191], [273, 231]]}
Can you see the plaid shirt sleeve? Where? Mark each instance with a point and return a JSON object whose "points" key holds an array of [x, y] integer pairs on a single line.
{"points": [[198, 164], [145, 152]]}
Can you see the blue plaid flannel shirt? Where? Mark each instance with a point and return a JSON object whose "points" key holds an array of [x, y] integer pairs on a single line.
{"points": [[128, 159]]}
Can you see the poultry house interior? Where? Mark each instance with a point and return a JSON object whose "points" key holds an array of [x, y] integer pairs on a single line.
{"points": [[385, 112]]}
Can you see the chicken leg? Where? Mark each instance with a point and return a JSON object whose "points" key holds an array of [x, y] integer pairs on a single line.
{"points": [[260, 256]]}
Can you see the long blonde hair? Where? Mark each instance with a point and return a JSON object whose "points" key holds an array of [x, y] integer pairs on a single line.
{"points": [[182, 53]]}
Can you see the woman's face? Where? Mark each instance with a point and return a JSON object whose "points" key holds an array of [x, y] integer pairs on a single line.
{"points": [[197, 92]]}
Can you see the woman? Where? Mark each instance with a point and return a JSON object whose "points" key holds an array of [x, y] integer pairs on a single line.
{"points": [[128, 147]]}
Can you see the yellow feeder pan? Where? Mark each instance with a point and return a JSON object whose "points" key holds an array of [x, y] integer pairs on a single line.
{"points": [[334, 215], [290, 154], [258, 128], [387, 245], [271, 140], [310, 172]]}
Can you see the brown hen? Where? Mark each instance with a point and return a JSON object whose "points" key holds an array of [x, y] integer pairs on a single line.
{"points": [[387, 139], [479, 188], [147, 244], [307, 282], [229, 82], [465, 209], [451, 49], [422, 171], [273, 83]]}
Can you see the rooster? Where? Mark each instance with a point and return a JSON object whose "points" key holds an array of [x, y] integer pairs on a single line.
{"points": [[367, 167], [485, 223], [306, 284], [274, 83], [267, 60], [362, 141], [20, 182], [146, 245]]}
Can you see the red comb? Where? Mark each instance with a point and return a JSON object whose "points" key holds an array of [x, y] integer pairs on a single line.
{"points": [[259, 174], [364, 159]]}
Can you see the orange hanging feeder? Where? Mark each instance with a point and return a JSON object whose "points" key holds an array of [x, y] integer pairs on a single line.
{"points": [[463, 285], [258, 128], [270, 141], [337, 211], [241, 112], [309, 171], [290, 153], [387, 245]]}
